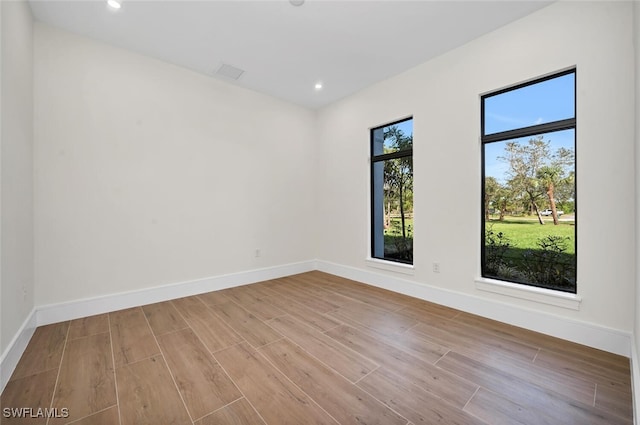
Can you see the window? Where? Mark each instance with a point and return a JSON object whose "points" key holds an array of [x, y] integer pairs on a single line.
{"points": [[528, 183], [392, 192]]}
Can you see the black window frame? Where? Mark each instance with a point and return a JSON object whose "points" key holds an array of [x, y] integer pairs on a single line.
{"points": [[529, 131], [374, 159]]}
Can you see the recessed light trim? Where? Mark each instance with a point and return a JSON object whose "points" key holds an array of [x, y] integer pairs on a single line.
{"points": [[318, 86], [114, 4], [296, 2]]}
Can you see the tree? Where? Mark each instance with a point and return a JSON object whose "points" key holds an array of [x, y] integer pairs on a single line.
{"points": [[565, 192], [503, 198], [549, 175], [554, 175], [398, 173], [491, 189], [524, 162], [536, 172], [496, 195]]}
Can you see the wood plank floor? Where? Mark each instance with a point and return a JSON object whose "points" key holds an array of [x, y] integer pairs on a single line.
{"points": [[310, 349]]}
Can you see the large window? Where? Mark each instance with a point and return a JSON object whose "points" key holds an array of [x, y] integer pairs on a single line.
{"points": [[392, 192], [528, 183]]}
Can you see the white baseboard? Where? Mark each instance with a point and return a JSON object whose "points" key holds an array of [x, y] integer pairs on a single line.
{"points": [[76, 309], [11, 356], [53, 313], [635, 380], [607, 339]]}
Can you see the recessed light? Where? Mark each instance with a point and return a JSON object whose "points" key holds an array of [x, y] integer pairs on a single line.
{"points": [[296, 2], [114, 4], [318, 86]]}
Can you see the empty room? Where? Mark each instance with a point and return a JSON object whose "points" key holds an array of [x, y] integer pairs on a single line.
{"points": [[212, 212]]}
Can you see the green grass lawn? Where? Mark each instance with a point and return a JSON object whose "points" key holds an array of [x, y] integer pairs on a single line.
{"points": [[396, 227], [520, 258], [525, 233]]}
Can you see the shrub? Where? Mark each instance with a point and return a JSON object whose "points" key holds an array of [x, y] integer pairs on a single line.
{"points": [[496, 246], [549, 265]]}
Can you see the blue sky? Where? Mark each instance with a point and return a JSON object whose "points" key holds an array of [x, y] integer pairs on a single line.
{"points": [[540, 103]]}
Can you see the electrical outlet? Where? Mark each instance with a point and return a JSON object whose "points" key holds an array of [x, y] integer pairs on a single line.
{"points": [[258, 253], [436, 267]]}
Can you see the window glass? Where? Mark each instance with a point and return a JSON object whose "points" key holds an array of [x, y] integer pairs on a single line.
{"points": [[540, 103], [529, 185], [393, 138], [392, 192]]}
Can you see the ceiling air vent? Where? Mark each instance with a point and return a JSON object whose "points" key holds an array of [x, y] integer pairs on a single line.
{"points": [[229, 71]]}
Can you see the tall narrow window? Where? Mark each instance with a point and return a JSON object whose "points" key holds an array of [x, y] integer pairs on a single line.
{"points": [[528, 183], [392, 192]]}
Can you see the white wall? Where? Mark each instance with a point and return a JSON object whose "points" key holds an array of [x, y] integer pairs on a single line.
{"points": [[126, 173], [636, 10], [636, 349], [149, 174], [16, 171], [443, 97]]}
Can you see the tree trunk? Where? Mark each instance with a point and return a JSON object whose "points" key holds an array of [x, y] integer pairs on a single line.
{"points": [[552, 202], [387, 216], [404, 234], [535, 207]]}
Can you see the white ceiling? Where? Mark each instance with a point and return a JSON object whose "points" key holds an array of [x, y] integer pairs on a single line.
{"points": [[283, 49]]}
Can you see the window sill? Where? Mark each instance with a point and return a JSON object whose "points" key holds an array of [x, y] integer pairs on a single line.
{"points": [[391, 266], [531, 293]]}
